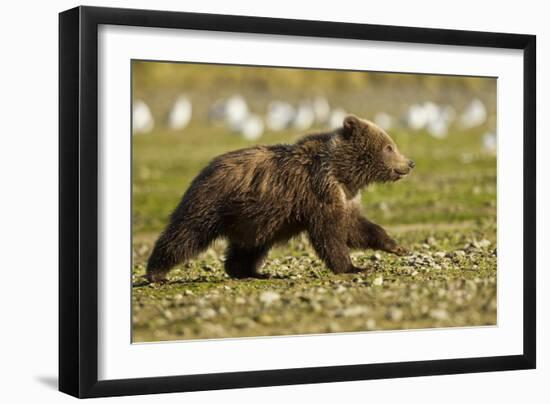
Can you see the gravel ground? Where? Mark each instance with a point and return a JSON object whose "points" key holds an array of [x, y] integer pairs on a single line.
{"points": [[448, 280]]}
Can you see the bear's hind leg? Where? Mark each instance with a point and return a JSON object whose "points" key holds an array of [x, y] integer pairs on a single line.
{"points": [[244, 262], [173, 247]]}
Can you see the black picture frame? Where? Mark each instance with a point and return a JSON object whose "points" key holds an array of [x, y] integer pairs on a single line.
{"points": [[78, 201]]}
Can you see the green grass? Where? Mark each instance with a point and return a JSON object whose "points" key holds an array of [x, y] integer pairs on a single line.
{"points": [[445, 213]]}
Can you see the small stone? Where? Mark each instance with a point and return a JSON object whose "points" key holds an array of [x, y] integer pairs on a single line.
{"points": [[394, 314], [383, 206], [483, 243], [439, 314], [305, 298], [378, 281], [316, 307], [333, 327], [460, 253], [340, 289], [268, 298], [207, 313], [439, 254], [376, 257], [352, 311], [207, 268], [243, 322], [160, 322], [265, 319], [214, 330], [370, 324]]}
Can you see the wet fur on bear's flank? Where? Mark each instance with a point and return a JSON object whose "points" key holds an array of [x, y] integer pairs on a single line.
{"points": [[263, 195]]}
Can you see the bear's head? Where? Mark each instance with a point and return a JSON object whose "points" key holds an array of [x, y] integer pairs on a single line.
{"points": [[369, 154]]}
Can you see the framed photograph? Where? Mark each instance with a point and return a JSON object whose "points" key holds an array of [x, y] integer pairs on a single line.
{"points": [[251, 201]]}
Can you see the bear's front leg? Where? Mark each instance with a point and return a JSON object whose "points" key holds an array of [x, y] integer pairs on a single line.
{"points": [[365, 234], [328, 238]]}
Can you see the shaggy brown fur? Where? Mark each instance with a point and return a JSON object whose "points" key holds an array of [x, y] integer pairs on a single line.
{"points": [[262, 195]]}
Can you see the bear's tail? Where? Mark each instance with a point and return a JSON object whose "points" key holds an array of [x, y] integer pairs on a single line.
{"points": [[174, 246]]}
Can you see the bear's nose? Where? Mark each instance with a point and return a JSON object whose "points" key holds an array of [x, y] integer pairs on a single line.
{"points": [[411, 164]]}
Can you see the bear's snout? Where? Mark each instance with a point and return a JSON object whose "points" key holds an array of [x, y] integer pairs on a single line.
{"points": [[402, 169]]}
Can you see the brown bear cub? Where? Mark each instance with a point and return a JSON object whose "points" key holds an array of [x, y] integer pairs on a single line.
{"points": [[263, 195]]}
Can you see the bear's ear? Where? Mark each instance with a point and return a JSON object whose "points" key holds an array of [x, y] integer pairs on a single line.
{"points": [[351, 123]]}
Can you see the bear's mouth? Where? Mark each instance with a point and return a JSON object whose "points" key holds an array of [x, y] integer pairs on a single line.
{"points": [[401, 172]]}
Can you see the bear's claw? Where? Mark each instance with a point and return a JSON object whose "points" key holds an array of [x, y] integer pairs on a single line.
{"points": [[401, 251]]}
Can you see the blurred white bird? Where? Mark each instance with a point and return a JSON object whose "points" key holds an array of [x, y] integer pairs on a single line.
{"points": [[321, 109], [279, 115], [384, 120], [336, 118], [236, 110], [230, 111], [142, 119], [448, 114], [437, 128], [180, 113], [489, 142], [416, 117], [474, 115], [434, 118], [251, 127], [432, 111], [304, 116]]}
